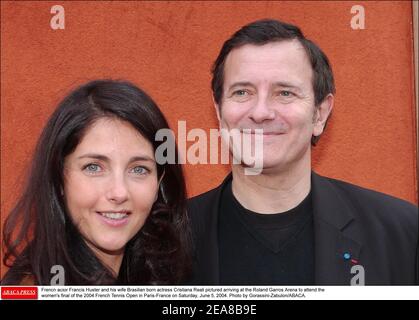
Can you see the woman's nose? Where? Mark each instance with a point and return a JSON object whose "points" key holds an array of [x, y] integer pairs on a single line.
{"points": [[117, 191]]}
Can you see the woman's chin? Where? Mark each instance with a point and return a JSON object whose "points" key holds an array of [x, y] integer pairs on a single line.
{"points": [[111, 247]]}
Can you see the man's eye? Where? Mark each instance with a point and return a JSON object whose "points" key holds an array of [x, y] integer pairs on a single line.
{"points": [[286, 93], [240, 93]]}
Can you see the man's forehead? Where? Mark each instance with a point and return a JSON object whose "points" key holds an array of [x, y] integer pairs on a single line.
{"points": [[270, 51], [282, 59]]}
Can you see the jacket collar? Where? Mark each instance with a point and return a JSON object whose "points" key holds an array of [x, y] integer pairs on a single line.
{"points": [[209, 256], [336, 245]]}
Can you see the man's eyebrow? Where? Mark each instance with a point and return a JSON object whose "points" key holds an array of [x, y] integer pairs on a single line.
{"points": [[106, 159], [286, 85], [240, 84], [276, 84]]}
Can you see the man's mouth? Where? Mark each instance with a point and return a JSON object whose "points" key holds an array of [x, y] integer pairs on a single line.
{"points": [[261, 132]]}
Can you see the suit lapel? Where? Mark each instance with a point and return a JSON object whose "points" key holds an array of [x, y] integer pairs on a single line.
{"points": [[335, 243], [208, 255]]}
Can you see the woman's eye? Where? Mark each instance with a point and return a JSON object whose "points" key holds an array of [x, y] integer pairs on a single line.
{"points": [[92, 168], [139, 170]]}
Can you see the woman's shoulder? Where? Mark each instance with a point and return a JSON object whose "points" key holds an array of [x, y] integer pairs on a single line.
{"points": [[28, 280], [19, 276]]}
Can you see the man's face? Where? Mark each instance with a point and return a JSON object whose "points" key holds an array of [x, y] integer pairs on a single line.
{"points": [[269, 87]]}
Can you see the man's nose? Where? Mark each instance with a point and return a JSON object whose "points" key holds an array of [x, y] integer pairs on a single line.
{"points": [[117, 191], [262, 111]]}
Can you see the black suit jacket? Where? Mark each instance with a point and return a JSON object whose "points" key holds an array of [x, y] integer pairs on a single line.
{"points": [[380, 233]]}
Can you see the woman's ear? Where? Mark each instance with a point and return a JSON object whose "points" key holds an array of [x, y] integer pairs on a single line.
{"points": [[162, 176], [160, 188]]}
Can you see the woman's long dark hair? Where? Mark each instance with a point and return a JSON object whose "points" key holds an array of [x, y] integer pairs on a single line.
{"points": [[39, 233]]}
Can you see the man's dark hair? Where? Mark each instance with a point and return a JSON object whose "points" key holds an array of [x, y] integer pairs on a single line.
{"points": [[267, 31]]}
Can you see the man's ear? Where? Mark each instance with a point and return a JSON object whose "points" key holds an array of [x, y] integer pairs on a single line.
{"points": [[322, 113], [217, 109]]}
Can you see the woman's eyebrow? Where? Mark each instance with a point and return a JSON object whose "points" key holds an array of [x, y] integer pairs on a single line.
{"points": [[94, 156], [141, 158], [107, 159]]}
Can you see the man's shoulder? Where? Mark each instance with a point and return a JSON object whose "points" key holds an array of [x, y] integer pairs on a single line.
{"points": [[205, 198], [209, 198], [372, 196], [375, 202], [203, 211], [203, 208]]}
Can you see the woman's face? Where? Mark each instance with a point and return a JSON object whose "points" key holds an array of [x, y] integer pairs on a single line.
{"points": [[110, 185]]}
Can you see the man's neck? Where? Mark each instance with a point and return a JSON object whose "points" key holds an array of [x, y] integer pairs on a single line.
{"points": [[272, 191]]}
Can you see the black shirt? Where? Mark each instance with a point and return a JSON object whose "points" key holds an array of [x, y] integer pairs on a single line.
{"points": [[265, 249]]}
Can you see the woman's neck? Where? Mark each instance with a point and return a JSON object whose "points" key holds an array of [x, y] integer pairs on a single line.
{"points": [[111, 259]]}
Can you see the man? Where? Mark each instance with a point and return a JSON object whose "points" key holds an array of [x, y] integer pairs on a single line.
{"points": [[288, 225]]}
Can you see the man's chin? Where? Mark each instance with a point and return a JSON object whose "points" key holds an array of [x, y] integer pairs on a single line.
{"points": [[253, 168]]}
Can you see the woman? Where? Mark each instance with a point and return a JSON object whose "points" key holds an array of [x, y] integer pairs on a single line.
{"points": [[96, 202]]}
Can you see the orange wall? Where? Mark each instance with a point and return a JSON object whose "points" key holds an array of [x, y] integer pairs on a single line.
{"points": [[168, 47]]}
